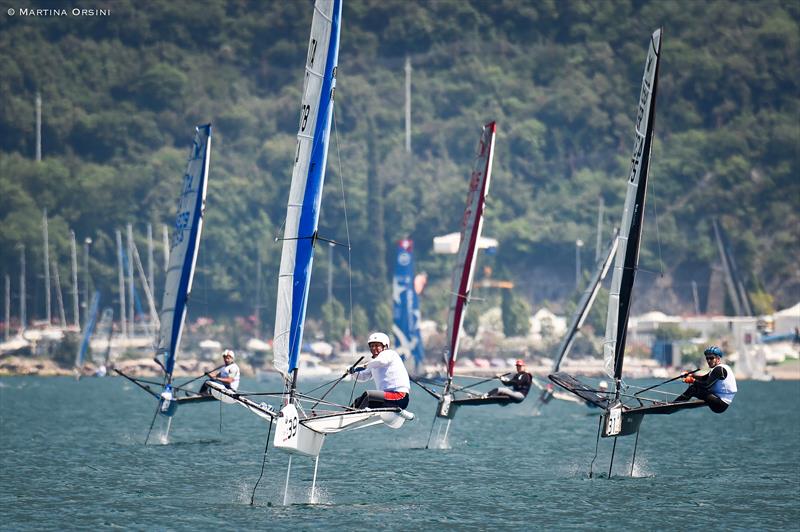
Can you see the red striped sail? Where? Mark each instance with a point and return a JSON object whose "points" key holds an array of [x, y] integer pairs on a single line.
{"points": [[471, 226]]}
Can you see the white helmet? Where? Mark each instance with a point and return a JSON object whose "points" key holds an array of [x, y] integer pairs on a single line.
{"points": [[230, 353], [378, 337]]}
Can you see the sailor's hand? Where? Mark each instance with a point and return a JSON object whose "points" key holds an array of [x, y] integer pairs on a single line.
{"points": [[356, 369], [689, 379]]}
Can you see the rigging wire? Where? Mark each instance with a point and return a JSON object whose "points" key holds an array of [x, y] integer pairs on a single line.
{"points": [[263, 464], [596, 444], [346, 227]]}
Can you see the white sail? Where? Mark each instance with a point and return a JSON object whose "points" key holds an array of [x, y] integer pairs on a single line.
{"points": [[183, 247], [308, 176]]}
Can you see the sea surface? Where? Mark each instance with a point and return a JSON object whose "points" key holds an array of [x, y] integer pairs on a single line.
{"points": [[72, 457]]}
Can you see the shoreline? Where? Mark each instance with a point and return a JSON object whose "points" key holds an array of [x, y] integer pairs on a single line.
{"points": [[18, 366]]}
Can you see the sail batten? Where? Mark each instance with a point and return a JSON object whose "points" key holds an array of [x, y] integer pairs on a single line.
{"points": [[632, 218], [308, 175], [471, 227], [186, 234]]}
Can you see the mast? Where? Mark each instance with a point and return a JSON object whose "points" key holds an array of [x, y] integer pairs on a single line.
{"points": [[600, 209], [586, 302], [123, 321], [165, 243], [38, 127], [86, 243], [75, 300], [151, 304], [150, 261], [627, 260], [732, 293], [257, 310], [305, 194], [59, 297], [185, 245], [471, 227], [108, 316], [129, 272], [46, 256], [22, 295], [408, 104], [8, 306]]}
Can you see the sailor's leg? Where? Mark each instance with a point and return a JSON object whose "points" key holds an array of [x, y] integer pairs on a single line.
{"points": [[515, 396], [692, 391], [375, 399], [716, 404], [361, 401], [397, 399]]}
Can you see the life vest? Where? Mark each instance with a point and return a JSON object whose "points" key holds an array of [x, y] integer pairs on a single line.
{"points": [[725, 388]]}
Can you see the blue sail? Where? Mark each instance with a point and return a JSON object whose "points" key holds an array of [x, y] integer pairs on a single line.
{"points": [[87, 334], [408, 341], [308, 176], [183, 247]]}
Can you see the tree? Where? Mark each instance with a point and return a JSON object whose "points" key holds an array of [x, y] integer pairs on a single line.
{"points": [[334, 320], [516, 314]]}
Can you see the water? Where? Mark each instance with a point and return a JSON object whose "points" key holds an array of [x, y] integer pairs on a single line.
{"points": [[72, 457]]}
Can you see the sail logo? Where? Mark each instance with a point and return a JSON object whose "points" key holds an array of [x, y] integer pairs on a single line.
{"points": [[642, 118], [181, 223]]}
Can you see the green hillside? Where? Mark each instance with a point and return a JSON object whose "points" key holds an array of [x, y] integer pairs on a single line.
{"points": [[122, 92]]}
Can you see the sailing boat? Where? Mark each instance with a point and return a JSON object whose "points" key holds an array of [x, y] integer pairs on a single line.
{"points": [[581, 312], [87, 335], [622, 411], [303, 420], [449, 395], [406, 307], [184, 247]]}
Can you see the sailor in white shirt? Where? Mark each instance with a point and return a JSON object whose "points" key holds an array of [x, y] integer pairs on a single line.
{"points": [[227, 375], [717, 388], [389, 373]]}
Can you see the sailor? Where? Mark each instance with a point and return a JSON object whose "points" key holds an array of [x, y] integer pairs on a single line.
{"points": [[520, 384], [602, 391], [717, 388], [547, 393], [390, 375], [228, 374]]}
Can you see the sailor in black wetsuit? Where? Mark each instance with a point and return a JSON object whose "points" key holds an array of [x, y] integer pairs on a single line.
{"points": [[520, 385], [717, 388]]}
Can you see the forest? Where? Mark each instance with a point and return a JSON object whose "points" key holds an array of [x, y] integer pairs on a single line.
{"points": [[122, 92]]}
